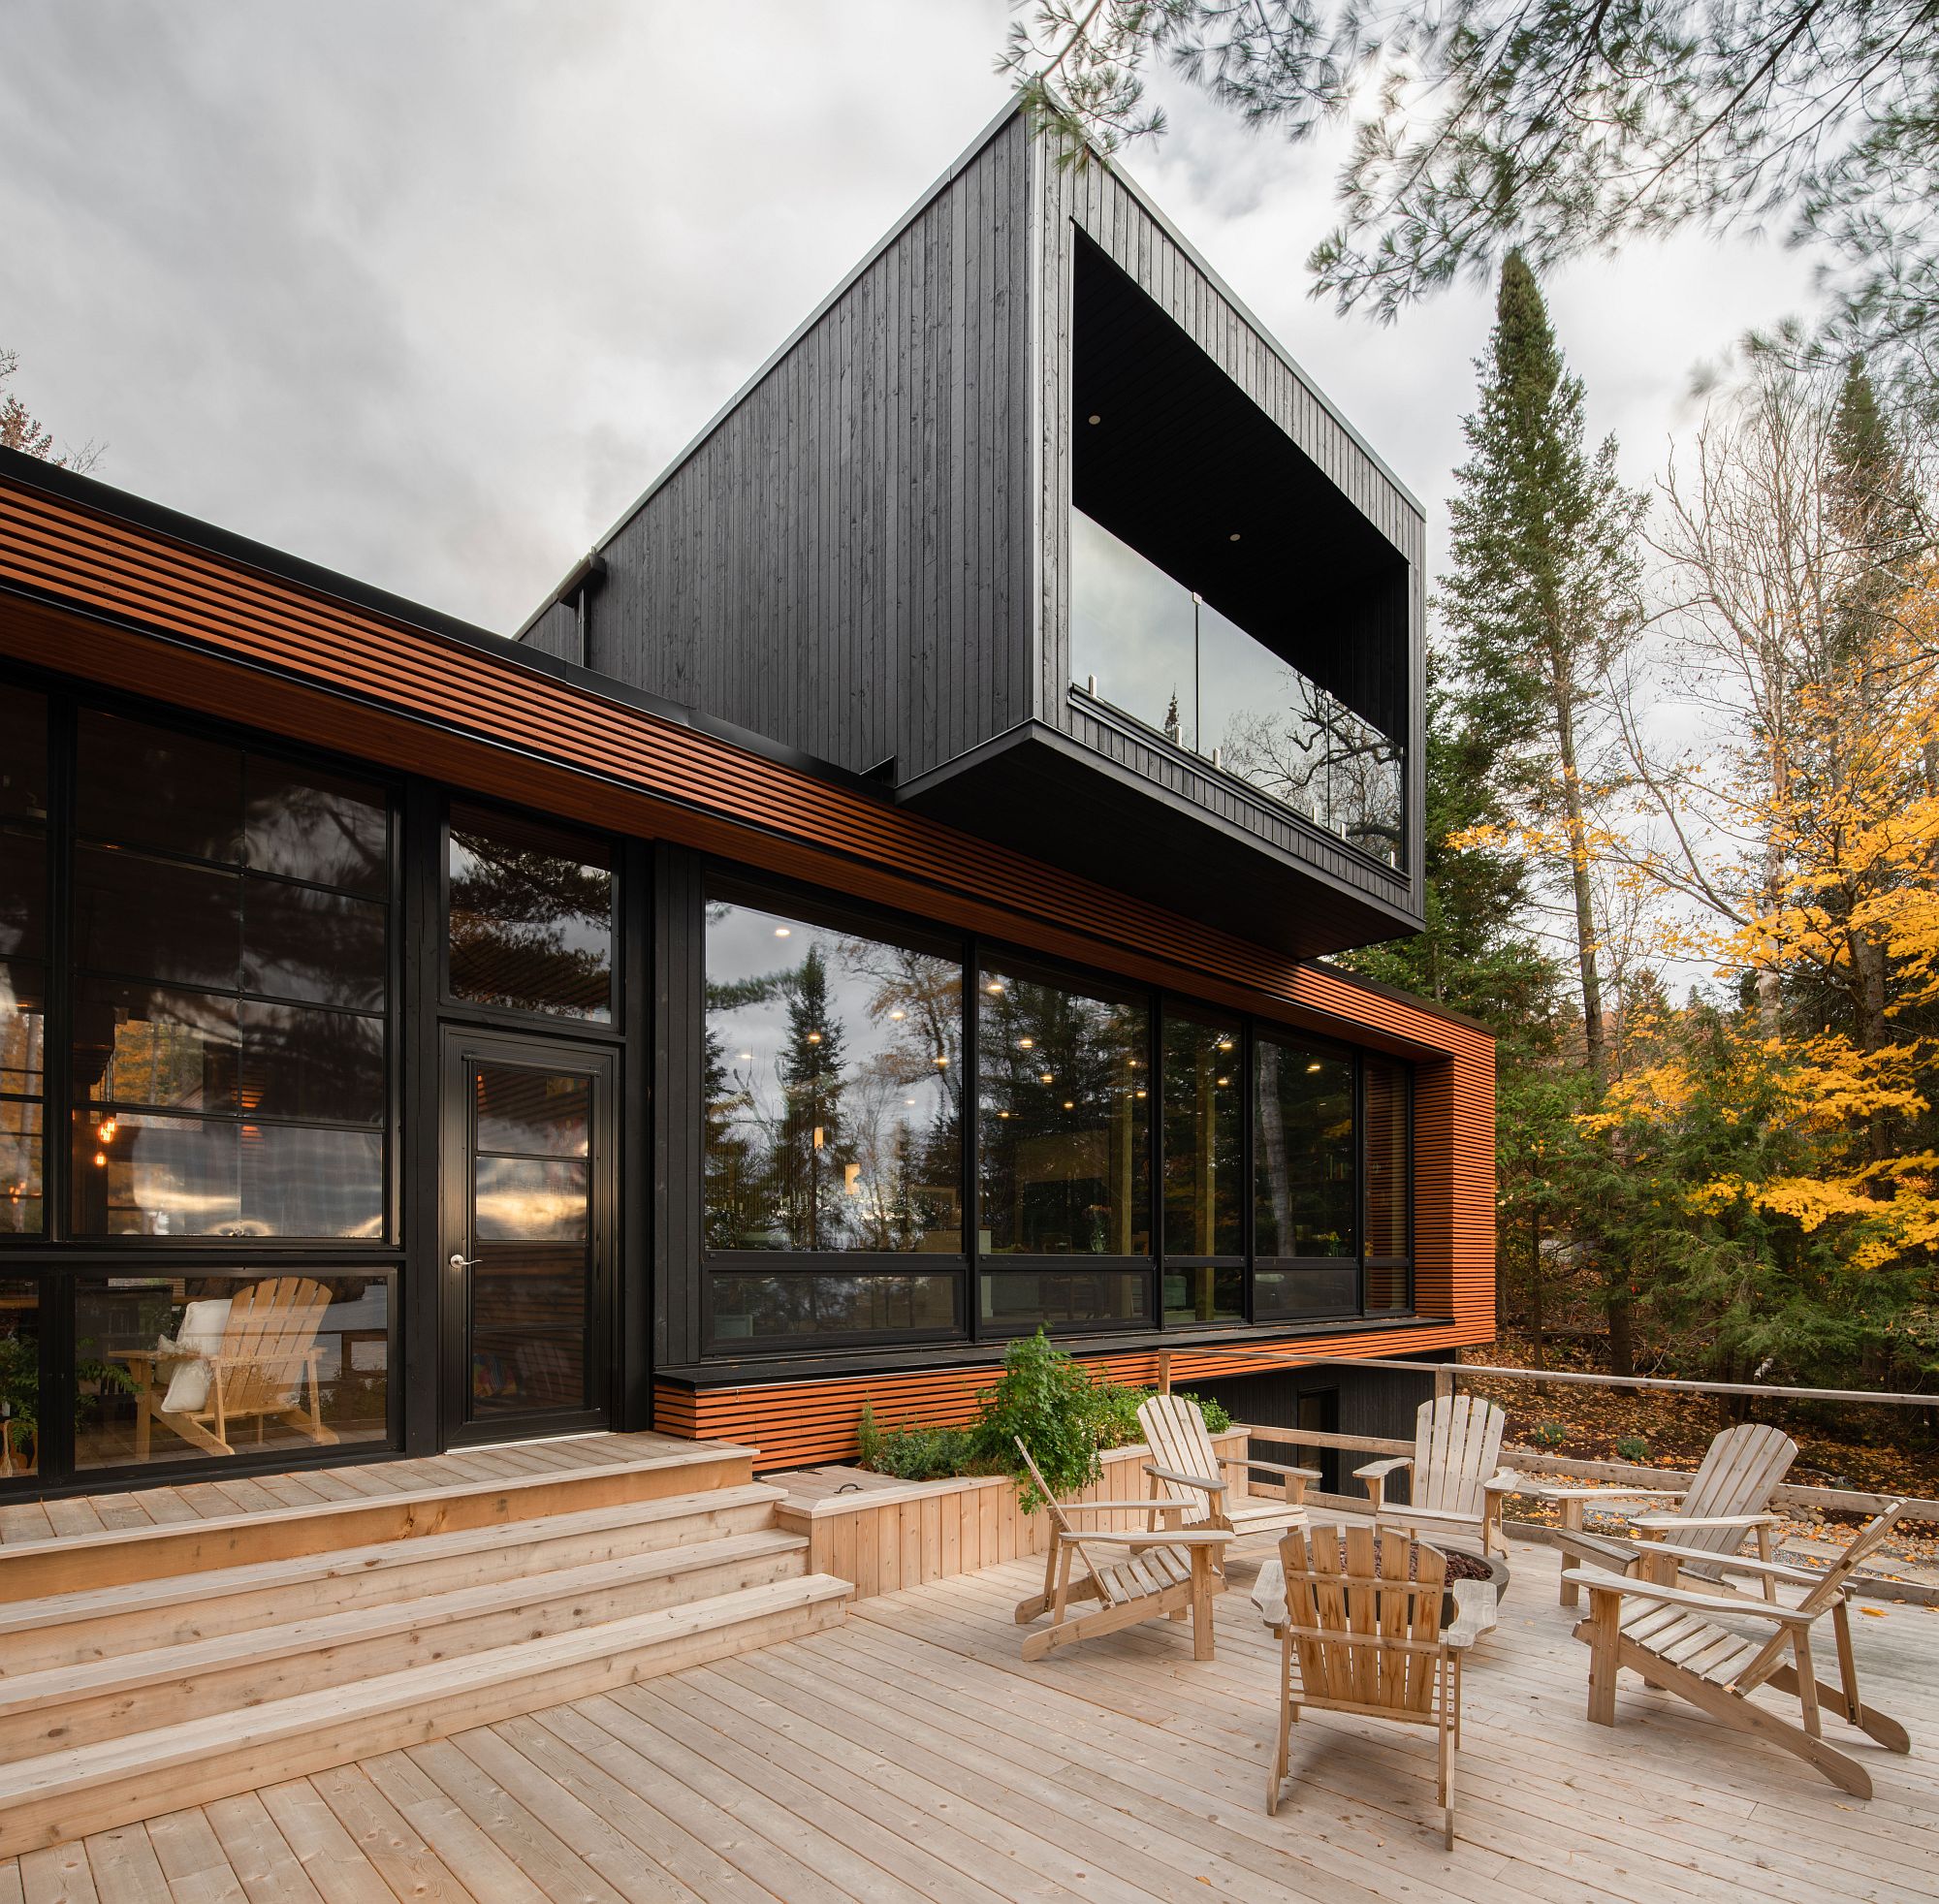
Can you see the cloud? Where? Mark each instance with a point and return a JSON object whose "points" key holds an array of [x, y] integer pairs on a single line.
{"points": [[429, 290]]}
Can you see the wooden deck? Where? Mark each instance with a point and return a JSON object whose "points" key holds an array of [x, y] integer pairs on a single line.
{"points": [[306, 1487], [908, 1753]]}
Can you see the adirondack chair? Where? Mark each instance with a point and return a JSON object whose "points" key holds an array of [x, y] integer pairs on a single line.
{"points": [[1129, 1576], [264, 1370], [1728, 1497], [1694, 1645], [1457, 1439], [1186, 1468], [1369, 1640]]}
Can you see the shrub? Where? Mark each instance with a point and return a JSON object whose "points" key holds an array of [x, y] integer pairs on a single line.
{"points": [[1218, 1417], [1114, 1415], [1043, 1399], [1548, 1434], [1632, 1448]]}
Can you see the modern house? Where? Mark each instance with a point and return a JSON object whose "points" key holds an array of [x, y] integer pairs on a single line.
{"points": [[877, 906]]}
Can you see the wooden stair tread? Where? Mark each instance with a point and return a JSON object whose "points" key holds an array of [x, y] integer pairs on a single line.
{"points": [[174, 1589], [58, 1685], [150, 1755]]}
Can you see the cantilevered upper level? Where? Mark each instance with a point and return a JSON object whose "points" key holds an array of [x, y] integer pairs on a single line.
{"points": [[1032, 522]]}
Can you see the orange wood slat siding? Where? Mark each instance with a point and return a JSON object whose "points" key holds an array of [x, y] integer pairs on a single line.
{"points": [[795, 1423]]}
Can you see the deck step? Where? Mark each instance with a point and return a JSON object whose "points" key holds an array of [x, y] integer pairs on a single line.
{"points": [[97, 1622], [172, 1684], [122, 1556], [61, 1796]]}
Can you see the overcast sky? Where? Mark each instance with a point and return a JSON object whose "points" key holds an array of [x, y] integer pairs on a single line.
{"points": [[429, 290]]}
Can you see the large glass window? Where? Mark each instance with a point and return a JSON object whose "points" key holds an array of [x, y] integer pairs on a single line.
{"points": [[231, 932], [20, 1377], [1304, 1180], [170, 1368], [748, 1309], [833, 1089], [1064, 1132], [1204, 1161], [1159, 652], [1388, 1115], [531, 918], [23, 948]]}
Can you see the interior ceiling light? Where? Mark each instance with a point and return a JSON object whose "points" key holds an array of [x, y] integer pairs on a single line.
{"points": [[1233, 537], [995, 988], [1221, 1083], [1026, 1044], [1224, 1044], [897, 1017], [1141, 1093], [781, 932], [1313, 1066], [942, 1058], [746, 1057], [815, 1038], [1068, 1105], [1048, 1077], [1095, 418]]}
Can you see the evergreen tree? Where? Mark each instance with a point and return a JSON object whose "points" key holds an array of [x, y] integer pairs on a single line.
{"points": [[814, 1145], [1541, 599]]}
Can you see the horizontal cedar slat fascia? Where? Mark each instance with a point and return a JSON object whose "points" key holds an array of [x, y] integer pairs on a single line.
{"points": [[263, 621], [798, 1422]]}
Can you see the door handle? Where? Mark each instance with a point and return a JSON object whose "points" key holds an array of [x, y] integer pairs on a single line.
{"points": [[459, 1260]]}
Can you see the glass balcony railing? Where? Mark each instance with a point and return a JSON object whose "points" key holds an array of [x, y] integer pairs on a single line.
{"points": [[1152, 649]]}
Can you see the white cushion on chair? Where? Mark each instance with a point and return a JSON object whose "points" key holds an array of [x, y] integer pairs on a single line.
{"points": [[203, 1327]]}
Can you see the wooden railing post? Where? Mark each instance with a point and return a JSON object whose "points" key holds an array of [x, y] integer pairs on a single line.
{"points": [[1165, 1372], [1444, 1383]]}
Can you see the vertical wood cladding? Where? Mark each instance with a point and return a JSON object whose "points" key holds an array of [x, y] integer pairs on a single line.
{"points": [[839, 563]]}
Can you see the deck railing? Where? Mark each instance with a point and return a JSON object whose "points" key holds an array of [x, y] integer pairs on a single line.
{"points": [[1539, 1461]]}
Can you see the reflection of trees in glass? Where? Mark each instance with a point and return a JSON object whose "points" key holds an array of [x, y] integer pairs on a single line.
{"points": [[531, 929], [1065, 1108], [848, 1137], [1319, 756], [1203, 1139], [1303, 1152]]}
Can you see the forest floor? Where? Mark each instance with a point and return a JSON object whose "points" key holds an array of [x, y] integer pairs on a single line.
{"points": [[1868, 1450]]}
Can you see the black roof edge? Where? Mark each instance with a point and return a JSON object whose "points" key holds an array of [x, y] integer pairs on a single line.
{"points": [[121, 505]]}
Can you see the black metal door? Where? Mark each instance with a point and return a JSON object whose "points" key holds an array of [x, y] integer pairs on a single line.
{"points": [[529, 1201]]}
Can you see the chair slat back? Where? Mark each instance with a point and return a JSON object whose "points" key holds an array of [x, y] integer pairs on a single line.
{"points": [[1175, 1432], [1457, 1446], [272, 1328], [1739, 1472], [1352, 1612]]}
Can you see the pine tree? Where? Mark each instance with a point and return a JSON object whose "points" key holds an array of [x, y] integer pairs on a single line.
{"points": [[1540, 603], [1541, 598]]}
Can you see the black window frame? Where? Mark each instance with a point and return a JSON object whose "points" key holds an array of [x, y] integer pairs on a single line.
{"points": [[737, 884]]}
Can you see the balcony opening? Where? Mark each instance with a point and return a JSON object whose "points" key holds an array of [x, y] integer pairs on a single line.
{"points": [[1225, 595]]}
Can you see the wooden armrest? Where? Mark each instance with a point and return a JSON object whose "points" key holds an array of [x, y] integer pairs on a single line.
{"points": [[1145, 1507], [1471, 1614], [1669, 1522], [1376, 1470], [1279, 1468], [1775, 1570], [1185, 1481], [1196, 1537], [1504, 1480], [1542, 1491], [1597, 1581]]}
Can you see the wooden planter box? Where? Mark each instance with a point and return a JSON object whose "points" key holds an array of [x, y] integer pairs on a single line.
{"points": [[884, 1538]]}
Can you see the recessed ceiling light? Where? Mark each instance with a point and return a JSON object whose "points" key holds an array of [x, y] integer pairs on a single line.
{"points": [[1026, 1044], [1313, 1066], [1095, 418], [1233, 537], [780, 932], [898, 1016], [746, 1057], [1222, 1082], [1068, 1105]]}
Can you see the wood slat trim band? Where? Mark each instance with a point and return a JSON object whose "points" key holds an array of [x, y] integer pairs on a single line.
{"points": [[796, 1423]]}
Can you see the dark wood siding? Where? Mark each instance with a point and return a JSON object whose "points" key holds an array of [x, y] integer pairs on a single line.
{"points": [[840, 563], [556, 632]]}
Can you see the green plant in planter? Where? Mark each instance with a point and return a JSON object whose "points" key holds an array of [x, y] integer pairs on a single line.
{"points": [[916, 1454], [1045, 1400], [20, 1390]]}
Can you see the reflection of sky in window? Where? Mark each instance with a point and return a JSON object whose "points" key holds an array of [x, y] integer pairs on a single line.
{"points": [[877, 995], [1131, 630]]}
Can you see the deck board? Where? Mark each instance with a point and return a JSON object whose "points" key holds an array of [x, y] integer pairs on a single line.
{"points": [[911, 1753]]}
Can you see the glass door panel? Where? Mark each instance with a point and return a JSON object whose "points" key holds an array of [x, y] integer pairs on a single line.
{"points": [[527, 1184]]}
